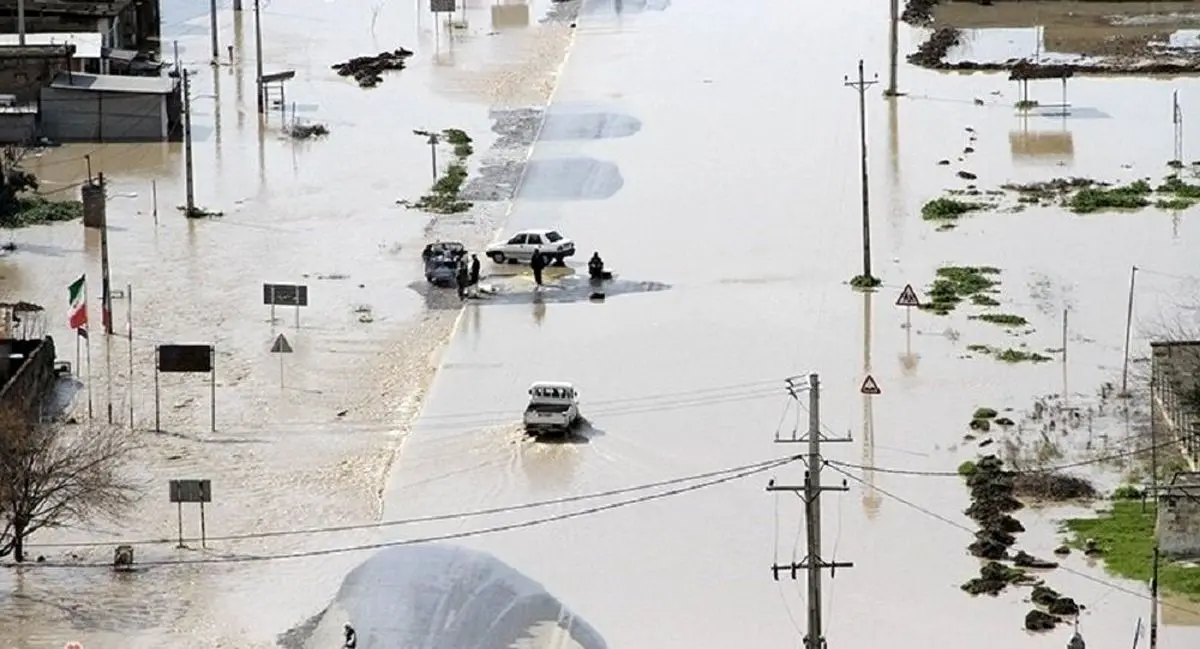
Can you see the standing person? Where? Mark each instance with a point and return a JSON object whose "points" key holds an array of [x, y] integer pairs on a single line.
{"points": [[537, 262], [462, 277], [474, 270], [351, 638]]}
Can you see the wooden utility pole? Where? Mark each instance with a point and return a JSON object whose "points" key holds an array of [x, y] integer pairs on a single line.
{"points": [[861, 86], [187, 146], [258, 56], [812, 490]]}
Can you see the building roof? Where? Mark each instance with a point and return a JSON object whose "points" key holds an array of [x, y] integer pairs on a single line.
{"points": [[99, 8], [113, 83], [87, 44]]}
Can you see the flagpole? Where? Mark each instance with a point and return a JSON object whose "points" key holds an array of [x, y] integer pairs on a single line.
{"points": [[129, 321], [78, 369], [88, 345], [106, 304]]}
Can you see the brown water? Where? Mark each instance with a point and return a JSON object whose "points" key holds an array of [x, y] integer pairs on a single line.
{"points": [[732, 213]]}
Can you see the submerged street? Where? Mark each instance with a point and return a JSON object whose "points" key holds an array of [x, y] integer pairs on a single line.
{"points": [[709, 152]]}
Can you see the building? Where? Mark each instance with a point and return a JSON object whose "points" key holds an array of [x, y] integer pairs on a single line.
{"points": [[1179, 517], [1175, 394], [123, 24], [104, 108], [24, 71], [88, 47]]}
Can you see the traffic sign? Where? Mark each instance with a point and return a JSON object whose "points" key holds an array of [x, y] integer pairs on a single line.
{"points": [[908, 297], [281, 346], [869, 386]]}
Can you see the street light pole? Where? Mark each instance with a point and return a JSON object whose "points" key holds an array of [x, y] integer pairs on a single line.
{"points": [[258, 81]]}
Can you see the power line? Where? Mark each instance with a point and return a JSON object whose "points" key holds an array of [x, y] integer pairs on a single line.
{"points": [[932, 514], [1050, 469], [755, 469], [756, 466]]}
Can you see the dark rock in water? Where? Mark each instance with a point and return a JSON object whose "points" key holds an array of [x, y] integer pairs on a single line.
{"points": [[1092, 549], [1036, 620], [596, 297], [980, 424], [1063, 606], [966, 175], [1062, 550], [368, 70], [970, 149], [943, 162], [1026, 560], [1044, 596], [1003, 421], [993, 578]]}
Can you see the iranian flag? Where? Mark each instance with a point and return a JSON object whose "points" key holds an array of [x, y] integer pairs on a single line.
{"points": [[78, 317]]}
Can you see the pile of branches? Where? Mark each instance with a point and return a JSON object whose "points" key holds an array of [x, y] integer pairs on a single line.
{"points": [[368, 70]]}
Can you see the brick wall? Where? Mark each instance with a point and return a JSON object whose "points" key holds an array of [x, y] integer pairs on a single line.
{"points": [[24, 71]]}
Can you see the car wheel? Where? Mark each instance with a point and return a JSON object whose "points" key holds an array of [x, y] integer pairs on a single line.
{"points": [[559, 260], [497, 257]]}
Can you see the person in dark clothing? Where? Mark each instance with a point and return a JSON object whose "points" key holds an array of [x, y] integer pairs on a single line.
{"points": [[462, 278], [474, 270], [596, 266], [351, 638], [538, 263]]}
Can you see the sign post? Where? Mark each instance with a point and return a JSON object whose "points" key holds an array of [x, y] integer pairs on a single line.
{"points": [[191, 491], [281, 347], [908, 299], [185, 359], [295, 295]]}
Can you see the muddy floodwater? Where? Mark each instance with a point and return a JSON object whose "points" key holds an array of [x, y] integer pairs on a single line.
{"points": [[709, 152]]}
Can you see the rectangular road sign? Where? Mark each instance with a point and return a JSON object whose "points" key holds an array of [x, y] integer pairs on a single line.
{"points": [[191, 491], [185, 358], [908, 297], [442, 6], [285, 294]]}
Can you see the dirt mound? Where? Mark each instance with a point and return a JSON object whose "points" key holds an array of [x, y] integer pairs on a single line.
{"points": [[368, 70], [1138, 67], [930, 53], [1053, 487], [1037, 620]]}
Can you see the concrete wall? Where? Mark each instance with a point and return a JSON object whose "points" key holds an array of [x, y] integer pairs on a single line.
{"points": [[1179, 518], [26, 383], [17, 128], [85, 116], [24, 71]]}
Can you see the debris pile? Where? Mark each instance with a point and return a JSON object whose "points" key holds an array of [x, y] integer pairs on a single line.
{"points": [[1053, 487], [918, 13], [930, 53], [368, 70], [308, 131]]}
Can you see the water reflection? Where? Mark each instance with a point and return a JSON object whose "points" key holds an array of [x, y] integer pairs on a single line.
{"points": [[871, 499], [508, 15], [539, 307]]}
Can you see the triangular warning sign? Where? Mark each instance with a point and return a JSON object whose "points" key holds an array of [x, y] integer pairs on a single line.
{"points": [[281, 346], [908, 297], [869, 386]]}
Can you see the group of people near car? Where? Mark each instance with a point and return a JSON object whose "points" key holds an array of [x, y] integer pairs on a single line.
{"points": [[467, 275], [466, 272]]}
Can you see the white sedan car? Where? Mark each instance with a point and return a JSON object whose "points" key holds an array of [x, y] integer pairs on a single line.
{"points": [[519, 248]]}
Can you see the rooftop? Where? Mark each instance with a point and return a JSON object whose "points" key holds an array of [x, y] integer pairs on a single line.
{"points": [[87, 44], [98, 8], [113, 83]]}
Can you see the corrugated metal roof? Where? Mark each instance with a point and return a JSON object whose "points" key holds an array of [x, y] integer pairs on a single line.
{"points": [[113, 83], [87, 44]]}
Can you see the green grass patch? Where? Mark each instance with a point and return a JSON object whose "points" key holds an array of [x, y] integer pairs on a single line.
{"points": [[1005, 319], [967, 469], [981, 299], [953, 284], [1174, 204], [949, 209], [1009, 355], [984, 413], [1125, 534], [1180, 189], [1133, 196], [1026, 104], [1127, 492], [865, 282], [36, 210]]}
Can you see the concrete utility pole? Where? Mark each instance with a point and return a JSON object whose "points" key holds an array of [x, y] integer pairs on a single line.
{"points": [[861, 86], [212, 27], [893, 49], [21, 23], [258, 55], [187, 145], [812, 490], [1157, 501]]}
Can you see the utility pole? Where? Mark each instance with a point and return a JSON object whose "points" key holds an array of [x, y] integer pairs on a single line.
{"points": [[106, 299], [212, 27], [1128, 333], [811, 494], [861, 86], [1155, 491], [258, 55], [187, 146], [893, 49], [21, 23]]}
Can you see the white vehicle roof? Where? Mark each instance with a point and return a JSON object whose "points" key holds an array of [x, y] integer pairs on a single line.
{"points": [[551, 384]]}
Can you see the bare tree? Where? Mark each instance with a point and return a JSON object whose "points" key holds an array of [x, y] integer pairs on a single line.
{"points": [[51, 476]]}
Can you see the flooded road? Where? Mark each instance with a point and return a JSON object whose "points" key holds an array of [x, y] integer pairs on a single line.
{"points": [[721, 184]]}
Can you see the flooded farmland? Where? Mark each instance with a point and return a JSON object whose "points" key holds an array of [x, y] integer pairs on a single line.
{"points": [[721, 186]]}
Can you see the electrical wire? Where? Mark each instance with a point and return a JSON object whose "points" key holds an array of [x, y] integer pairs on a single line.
{"points": [[755, 467], [1051, 469], [727, 477], [932, 514]]}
